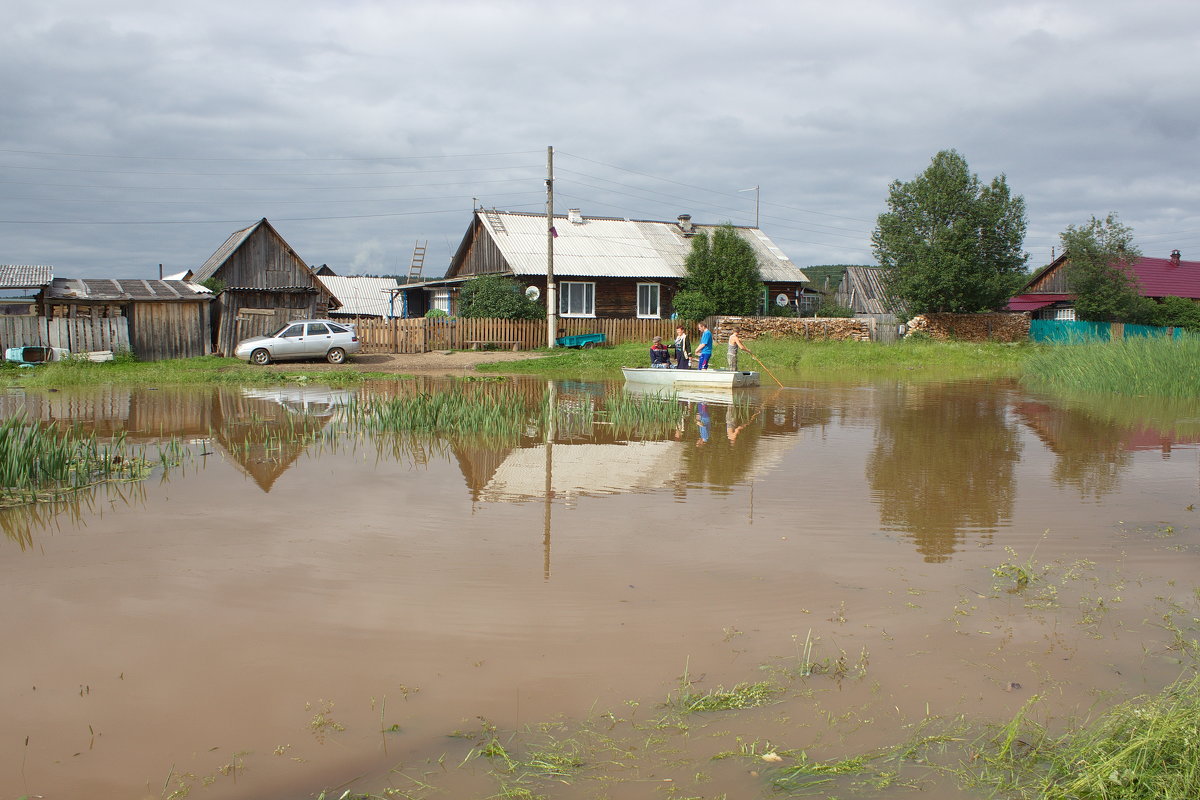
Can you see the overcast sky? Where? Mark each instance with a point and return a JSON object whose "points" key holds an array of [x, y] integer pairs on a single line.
{"points": [[139, 133]]}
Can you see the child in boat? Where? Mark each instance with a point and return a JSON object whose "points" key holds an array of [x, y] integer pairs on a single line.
{"points": [[660, 356]]}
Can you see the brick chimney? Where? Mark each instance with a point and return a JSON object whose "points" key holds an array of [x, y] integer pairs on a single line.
{"points": [[1174, 258]]}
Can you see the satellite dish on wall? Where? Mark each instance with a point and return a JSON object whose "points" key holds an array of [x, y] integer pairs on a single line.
{"points": [[533, 292], [781, 299]]}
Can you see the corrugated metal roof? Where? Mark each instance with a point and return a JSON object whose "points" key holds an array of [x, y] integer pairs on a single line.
{"points": [[25, 276], [1032, 302], [209, 268], [604, 247], [124, 290], [361, 296]]}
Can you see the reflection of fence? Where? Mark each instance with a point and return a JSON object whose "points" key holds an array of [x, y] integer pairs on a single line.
{"points": [[456, 333], [1076, 331]]}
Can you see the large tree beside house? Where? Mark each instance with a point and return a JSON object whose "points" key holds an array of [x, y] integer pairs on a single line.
{"points": [[949, 242], [722, 277], [1099, 271]]}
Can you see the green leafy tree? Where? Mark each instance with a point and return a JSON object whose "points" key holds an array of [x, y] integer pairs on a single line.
{"points": [[1099, 254], [1178, 312], [497, 297], [949, 242], [722, 276]]}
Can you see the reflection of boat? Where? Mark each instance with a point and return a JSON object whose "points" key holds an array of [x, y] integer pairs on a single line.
{"points": [[719, 395], [690, 377]]}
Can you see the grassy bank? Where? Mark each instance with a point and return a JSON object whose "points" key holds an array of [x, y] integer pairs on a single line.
{"points": [[1135, 367], [182, 371], [799, 358]]}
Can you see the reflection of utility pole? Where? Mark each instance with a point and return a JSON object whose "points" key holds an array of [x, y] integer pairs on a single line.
{"points": [[755, 190], [549, 491]]}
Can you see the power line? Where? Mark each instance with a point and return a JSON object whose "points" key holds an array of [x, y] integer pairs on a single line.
{"points": [[272, 159], [242, 222]]}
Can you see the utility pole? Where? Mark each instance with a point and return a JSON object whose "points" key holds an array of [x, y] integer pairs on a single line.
{"points": [[755, 190], [551, 293]]}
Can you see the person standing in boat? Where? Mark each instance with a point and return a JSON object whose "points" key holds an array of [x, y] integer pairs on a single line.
{"points": [[704, 351], [735, 344], [660, 356], [681, 348]]}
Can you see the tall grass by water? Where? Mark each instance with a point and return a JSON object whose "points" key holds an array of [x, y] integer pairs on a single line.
{"points": [[1132, 366], [42, 464], [505, 413]]}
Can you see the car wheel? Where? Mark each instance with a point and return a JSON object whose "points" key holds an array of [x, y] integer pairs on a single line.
{"points": [[588, 345], [260, 357], [336, 356]]}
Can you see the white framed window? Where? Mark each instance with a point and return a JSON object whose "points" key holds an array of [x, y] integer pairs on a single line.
{"points": [[576, 299], [441, 300], [647, 301]]}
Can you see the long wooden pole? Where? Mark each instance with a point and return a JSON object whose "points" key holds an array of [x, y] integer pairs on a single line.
{"points": [[551, 289], [764, 366]]}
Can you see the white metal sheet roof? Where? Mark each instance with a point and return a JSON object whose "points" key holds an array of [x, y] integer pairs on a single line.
{"points": [[361, 296], [602, 247]]}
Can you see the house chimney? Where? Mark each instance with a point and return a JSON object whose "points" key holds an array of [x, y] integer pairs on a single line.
{"points": [[1174, 258], [685, 223], [573, 215]]}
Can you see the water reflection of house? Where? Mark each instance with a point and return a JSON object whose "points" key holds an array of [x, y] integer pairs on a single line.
{"points": [[573, 470], [141, 414], [264, 431]]}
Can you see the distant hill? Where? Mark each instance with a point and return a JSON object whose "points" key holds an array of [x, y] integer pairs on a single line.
{"points": [[826, 277]]}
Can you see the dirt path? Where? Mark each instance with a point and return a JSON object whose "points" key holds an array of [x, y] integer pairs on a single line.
{"points": [[439, 362]]}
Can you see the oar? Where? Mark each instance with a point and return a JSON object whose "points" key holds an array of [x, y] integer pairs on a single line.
{"points": [[764, 366]]}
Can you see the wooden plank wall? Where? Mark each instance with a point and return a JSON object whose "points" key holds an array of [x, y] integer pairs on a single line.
{"points": [[169, 330], [82, 335], [23, 332]]}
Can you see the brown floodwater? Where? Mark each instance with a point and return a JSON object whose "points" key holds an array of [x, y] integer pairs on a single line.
{"points": [[298, 606]]}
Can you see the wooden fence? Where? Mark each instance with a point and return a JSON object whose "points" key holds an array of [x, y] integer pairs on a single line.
{"points": [[79, 335], [422, 335]]}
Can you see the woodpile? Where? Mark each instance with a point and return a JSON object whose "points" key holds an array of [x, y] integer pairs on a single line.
{"points": [[832, 328], [1000, 326]]}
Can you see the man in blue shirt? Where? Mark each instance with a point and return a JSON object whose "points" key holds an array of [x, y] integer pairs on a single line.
{"points": [[704, 351]]}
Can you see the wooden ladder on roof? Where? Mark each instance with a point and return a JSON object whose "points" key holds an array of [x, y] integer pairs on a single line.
{"points": [[418, 261], [496, 220]]}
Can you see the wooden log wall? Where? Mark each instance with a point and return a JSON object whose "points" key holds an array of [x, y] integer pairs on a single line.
{"points": [[169, 330]]}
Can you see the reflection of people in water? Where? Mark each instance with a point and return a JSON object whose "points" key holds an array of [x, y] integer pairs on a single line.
{"points": [[703, 420], [731, 431]]}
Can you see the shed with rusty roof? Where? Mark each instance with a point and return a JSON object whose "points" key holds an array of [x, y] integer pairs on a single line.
{"points": [[155, 319]]}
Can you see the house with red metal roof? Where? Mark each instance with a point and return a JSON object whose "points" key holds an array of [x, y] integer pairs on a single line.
{"points": [[1047, 295]]}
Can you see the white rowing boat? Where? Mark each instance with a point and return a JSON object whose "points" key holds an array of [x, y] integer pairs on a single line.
{"points": [[714, 378]]}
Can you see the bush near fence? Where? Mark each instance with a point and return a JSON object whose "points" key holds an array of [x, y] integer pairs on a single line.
{"points": [[1000, 326]]}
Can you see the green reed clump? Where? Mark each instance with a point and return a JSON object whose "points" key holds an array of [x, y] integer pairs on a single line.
{"points": [[1131, 366], [41, 464], [1144, 749], [644, 415], [502, 414]]}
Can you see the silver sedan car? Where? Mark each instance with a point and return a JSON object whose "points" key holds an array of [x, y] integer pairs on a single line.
{"points": [[302, 339]]}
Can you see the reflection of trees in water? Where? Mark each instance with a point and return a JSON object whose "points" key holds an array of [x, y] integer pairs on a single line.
{"points": [[943, 463], [1091, 453]]}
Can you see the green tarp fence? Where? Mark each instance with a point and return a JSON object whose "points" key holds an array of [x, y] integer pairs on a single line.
{"points": [[1076, 331]]}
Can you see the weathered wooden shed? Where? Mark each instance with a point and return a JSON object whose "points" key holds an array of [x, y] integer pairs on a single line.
{"points": [[262, 285], [163, 319]]}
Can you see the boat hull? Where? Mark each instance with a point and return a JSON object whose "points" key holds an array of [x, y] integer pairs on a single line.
{"points": [[714, 378]]}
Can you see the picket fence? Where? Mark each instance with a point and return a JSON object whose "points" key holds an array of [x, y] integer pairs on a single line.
{"points": [[423, 335]]}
